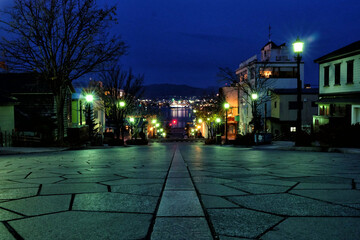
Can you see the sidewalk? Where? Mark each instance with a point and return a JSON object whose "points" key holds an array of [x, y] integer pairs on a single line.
{"points": [[290, 146], [21, 150]]}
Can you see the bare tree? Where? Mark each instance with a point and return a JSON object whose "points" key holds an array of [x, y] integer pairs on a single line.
{"points": [[257, 83], [121, 91], [61, 40]]}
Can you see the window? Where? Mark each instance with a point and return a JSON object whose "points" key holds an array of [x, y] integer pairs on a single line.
{"points": [[292, 129], [350, 72], [275, 104], [293, 105], [337, 74], [326, 76]]}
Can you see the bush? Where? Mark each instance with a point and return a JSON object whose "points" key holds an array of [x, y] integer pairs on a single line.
{"points": [[339, 135], [304, 139], [210, 141], [247, 139], [137, 142]]}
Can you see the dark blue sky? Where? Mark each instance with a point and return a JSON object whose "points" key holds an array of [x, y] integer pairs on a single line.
{"points": [[185, 41]]}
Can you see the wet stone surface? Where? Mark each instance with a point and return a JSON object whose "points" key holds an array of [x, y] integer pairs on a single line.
{"points": [[180, 191]]}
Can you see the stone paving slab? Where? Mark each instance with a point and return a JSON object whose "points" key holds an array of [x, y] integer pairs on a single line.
{"points": [[39, 205], [115, 202], [241, 222], [179, 184], [148, 190], [84, 225], [18, 193], [180, 204], [316, 228], [181, 228], [258, 188], [216, 202], [72, 188], [218, 189], [290, 205], [335, 196], [134, 181], [320, 186]]}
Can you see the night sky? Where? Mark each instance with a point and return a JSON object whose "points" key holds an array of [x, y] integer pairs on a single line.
{"points": [[185, 41]]}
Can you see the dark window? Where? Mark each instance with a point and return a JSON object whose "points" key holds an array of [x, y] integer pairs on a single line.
{"points": [[337, 74], [326, 76], [350, 72], [313, 104], [275, 104], [293, 105]]}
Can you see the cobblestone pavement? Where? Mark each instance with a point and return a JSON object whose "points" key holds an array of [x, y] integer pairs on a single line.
{"points": [[180, 191]]}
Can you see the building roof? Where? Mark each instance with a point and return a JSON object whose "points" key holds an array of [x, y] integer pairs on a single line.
{"points": [[349, 50], [23, 83], [7, 101], [290, 91], [274, 46]]}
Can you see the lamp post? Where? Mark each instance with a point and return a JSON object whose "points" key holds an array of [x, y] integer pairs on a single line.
{"points": [[226, 106], [254, 97], [132, 121], [89, 98], [298, 49]]}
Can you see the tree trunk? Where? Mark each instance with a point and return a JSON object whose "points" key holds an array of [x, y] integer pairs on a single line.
{"points": [[60, 102]]}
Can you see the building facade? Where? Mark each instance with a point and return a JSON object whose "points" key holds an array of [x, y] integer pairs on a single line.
{"points": [[339, 87], [274, 68], [282, 121]]}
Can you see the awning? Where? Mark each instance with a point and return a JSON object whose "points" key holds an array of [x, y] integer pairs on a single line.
{"points": [[340, 100]]}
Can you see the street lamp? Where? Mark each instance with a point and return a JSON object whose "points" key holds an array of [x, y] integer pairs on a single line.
{"points": [[89, 98], [226, 106], [298, 49], [122, 103], [254, 97]]}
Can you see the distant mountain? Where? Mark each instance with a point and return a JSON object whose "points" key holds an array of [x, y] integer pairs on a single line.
{"points": [[173, 90]]}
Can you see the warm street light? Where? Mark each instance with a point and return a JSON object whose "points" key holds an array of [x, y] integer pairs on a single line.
{"points": [[200, 120], [153, 121], [218, 120], [298, 49], [226, 106], [157, 125]]}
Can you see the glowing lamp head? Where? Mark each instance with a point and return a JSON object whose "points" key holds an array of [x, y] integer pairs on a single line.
{"points": [[89, 98], [298, 46], [218, 120], [132, 119], [200, 120], [198, 127], [122, 103], [195, 111], [157, 125], [153, 121], [208, 119], [226, 105], [254, 96]]}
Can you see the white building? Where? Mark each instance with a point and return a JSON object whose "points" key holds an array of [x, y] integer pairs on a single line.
{"points": [[277, 68], [339, 87]]}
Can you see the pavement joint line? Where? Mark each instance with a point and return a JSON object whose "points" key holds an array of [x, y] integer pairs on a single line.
{"points": [[27, 175], [71, 202], [207, 217], [153, 219], [39, 190], [13, 232], [292, 187], [271, 228], [178, 159], [9, 210]]}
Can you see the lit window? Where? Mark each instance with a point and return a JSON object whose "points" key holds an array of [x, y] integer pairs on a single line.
{"points": [[292, 129]]}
